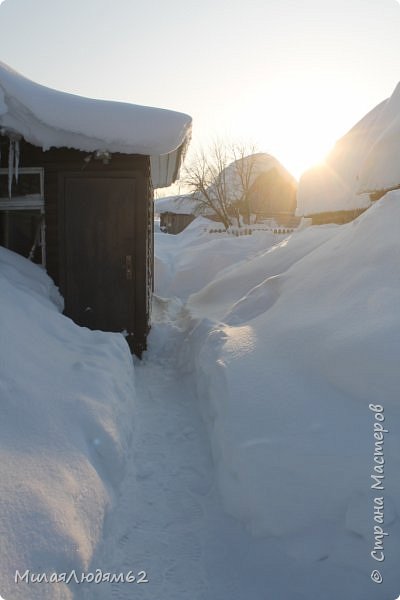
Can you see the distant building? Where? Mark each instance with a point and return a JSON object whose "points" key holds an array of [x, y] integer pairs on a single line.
{"points": [[363, 165], [176, 212], [269, 190], [272, 195]]}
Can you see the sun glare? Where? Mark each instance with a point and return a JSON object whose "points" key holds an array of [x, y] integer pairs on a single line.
{"points": [[302, 137], [297, 158], [298, 122]]}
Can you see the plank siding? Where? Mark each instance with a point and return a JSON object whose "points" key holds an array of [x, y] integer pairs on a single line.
{"points": [[56, 162]]}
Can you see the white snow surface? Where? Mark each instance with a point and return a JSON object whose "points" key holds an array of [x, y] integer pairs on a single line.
{"points": [[365, 160], [66, 399], [289, 345], [180, 205], [249, 471], [381, 167], [187, 263], [50, 118]]}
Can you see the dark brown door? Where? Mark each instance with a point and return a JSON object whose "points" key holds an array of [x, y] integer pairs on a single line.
{"points": [[98, 251]]}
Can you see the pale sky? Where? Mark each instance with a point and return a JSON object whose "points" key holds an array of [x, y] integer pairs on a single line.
{"points": [[291, 76]]}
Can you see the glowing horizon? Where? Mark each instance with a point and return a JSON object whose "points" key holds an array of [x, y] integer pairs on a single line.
{"points": [[290, 77]]}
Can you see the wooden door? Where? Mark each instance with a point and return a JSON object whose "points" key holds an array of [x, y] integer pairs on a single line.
{"points": [[98, 251]]}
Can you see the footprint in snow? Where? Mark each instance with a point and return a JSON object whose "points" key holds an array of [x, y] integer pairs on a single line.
{"points": [[196, 481]]}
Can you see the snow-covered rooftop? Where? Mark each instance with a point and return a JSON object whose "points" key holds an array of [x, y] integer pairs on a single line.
{"points": [[180, 205], [366, 159], [381, 166], [249, 168], [50, 118]]}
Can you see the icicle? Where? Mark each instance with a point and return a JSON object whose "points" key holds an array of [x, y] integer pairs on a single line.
{"points": [[16, 162], [10, 166]]}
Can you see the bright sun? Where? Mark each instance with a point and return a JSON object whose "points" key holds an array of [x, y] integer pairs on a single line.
{"points": [[302, 136], [297, 126], [298, 157]]}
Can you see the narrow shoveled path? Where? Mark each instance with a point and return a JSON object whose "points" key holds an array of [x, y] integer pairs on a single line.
{"points": [[168, 520]]}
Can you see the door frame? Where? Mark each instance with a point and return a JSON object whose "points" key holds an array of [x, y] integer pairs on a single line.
{"points": [[138, 234]]}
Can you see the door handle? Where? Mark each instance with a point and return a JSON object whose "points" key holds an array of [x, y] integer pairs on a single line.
{"points": [[128, 266]]}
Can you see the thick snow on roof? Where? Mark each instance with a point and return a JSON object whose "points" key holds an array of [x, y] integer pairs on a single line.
{"points": [[248, 169], [366, 159], [180, 205], [254, 165], [381, 167], [50, 118]]}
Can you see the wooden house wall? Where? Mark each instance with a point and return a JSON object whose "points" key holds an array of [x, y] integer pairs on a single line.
{"points": [[57, 162], [339, 217], [175, 223], [272, 194]]}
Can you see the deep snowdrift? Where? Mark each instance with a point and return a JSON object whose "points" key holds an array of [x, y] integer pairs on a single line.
{"points": [[306, 337], [186, 262], [66, 403]]}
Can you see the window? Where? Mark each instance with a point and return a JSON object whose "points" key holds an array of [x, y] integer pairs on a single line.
{"points": [[22, 226]]}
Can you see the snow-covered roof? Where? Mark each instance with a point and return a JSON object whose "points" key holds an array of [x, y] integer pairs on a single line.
{"points": [[240, 175], [50, 118], [251, 167], [180, 205], [366, 159], [381, 166]]}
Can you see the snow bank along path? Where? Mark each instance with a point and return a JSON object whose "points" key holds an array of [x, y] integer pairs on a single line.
{"points": [[305, 337], [66, 402]]}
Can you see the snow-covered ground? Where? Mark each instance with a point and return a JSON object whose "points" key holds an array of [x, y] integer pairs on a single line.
{"points": [[289, 346], [186, 263], [66, 402], [249, 471]]}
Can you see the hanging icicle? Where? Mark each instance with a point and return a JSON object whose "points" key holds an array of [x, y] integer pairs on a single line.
{"points": [[16, 162], [10, 166]]}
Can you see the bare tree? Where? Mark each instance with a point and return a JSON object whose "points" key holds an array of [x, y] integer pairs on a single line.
{"points": [[220, 179], [245, 171], [204, 177]]}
